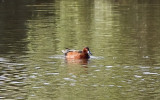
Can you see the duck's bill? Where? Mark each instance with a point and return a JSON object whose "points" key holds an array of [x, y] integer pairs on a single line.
{"points": [[89, 53]]}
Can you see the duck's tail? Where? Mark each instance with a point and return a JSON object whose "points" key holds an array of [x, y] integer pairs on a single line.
{"points": [[65, 51]]}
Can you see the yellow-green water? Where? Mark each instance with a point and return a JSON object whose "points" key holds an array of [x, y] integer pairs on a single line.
{"points": [[123, 36]]}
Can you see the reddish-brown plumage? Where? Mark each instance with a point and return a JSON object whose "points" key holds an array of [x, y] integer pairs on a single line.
{"points": [[73, 54]]}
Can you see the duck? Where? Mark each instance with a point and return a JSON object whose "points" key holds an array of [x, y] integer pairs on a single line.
{"points": [[77, 54]]}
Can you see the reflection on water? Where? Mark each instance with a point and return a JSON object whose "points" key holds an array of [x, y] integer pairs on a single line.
{"points": [[12, 79], [122, 35], [77, 61]]}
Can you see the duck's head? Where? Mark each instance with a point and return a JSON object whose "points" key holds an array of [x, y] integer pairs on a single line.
{"points": [[86, 50]]}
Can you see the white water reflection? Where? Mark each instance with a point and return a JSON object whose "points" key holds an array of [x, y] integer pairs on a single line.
{"points": [[150, 73]]}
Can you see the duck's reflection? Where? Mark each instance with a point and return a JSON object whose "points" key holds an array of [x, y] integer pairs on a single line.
{"points": [[83, 62], [77, 66]]}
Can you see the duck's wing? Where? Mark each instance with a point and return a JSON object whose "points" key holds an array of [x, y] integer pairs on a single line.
{"points": [[69, 50], [79, 51]]}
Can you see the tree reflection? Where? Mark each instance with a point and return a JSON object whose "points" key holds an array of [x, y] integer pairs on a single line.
{"points": [[12, 27]]}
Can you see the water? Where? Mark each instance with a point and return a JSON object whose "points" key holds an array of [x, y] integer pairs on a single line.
{"points": [[123, 37]]}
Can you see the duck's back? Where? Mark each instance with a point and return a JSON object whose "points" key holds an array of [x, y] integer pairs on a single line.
{"points": [[77, 54]]}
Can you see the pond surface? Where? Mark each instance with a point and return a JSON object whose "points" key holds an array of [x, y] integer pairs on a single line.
{"points": [[123, 36]]}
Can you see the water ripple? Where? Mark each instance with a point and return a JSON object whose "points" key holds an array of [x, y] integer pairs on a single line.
{"points": [[149, 73], [69, 79]]}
